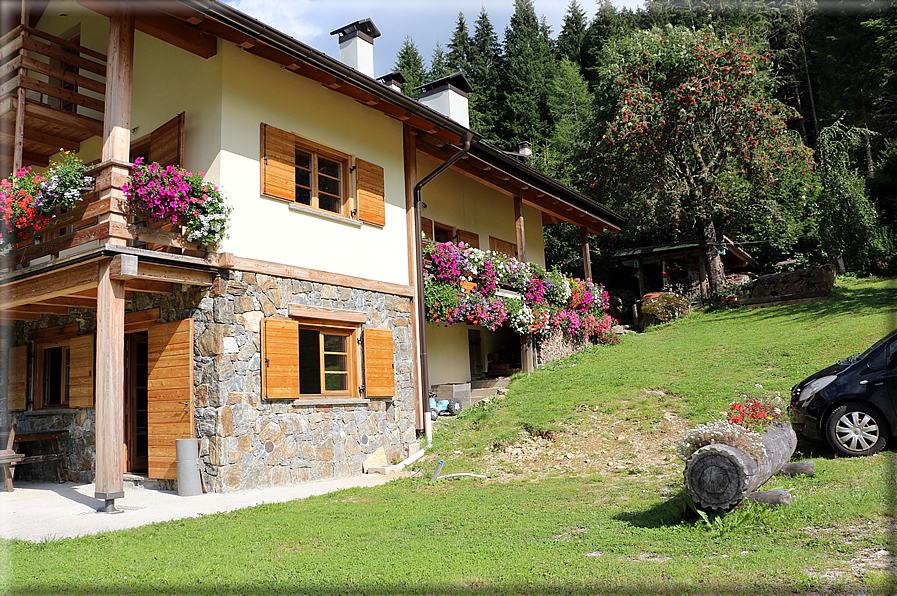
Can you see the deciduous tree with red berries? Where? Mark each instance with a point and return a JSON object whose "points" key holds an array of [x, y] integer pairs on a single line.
{"points": [[692, 135]]}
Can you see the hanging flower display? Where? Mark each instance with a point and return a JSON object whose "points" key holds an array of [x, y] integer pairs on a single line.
{"points": [[176, 195], [521, 296], [28, 199]]}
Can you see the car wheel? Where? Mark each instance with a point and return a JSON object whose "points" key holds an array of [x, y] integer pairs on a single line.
{"points": [[856, 429], [454, 406]]}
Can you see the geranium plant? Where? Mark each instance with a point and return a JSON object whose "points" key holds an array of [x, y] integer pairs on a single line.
{"points": [[535, 301], [29, 198], [747, 418], [179, 196]]}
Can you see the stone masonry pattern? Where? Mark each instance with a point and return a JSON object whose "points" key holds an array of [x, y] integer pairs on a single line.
{"points": [[246, 441]]}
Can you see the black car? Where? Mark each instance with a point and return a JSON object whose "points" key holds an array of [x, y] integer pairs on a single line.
{"points": [[851, 404]]}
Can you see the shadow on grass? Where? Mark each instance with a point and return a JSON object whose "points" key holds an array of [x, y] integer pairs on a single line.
{"points": [[855, 301], [273, 588], [671, 512]]}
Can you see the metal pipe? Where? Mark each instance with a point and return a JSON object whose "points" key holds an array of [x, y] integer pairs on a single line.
{"points": [[421, 306]]}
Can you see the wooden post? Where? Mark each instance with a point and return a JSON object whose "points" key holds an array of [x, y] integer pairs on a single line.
{"points": [[111, 292], [409, 144], [18, 154], [527, 352], [586, 252], [110, 385], [521, 229], [117, 118]]}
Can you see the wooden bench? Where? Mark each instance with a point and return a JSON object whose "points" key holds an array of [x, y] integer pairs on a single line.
{"points": [[10, 457]]}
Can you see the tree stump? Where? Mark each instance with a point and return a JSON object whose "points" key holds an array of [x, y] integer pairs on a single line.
{"points": [[719, 476]]}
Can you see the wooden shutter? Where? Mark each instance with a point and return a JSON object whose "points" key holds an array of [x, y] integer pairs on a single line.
{"points": [[508, 249], [17, 385], [426, 228], [469, 238], [167, 143], [169, 393], [278, 163], [280, 359], [371, 195], [81, 379], [379, 370]]}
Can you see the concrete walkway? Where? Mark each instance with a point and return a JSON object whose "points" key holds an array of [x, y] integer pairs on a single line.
{"points": [[41, 511]]}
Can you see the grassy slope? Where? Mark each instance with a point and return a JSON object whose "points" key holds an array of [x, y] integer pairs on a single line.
{"points": [[572, 534]]}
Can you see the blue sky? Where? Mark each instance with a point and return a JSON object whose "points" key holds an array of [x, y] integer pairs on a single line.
{"points": [[311, 21]]}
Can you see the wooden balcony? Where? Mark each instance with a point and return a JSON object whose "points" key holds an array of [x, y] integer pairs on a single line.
{"points": [[51, 96]]}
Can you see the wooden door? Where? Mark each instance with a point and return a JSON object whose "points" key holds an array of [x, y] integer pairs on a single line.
{"points": [[169, 393], [136, 433]]}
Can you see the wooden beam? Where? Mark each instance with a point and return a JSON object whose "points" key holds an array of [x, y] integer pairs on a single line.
{"points": [[165, 273], [69, 301], [149, 287], [49, 285], [8, 317], [124, 267], [313, 313], [41, 309]]}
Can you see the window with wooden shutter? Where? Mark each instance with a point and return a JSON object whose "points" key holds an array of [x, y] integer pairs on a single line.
{"points": [[426, 228], [278, 163], [280, 359], [17, 382], [509, 249], [167, 143], [379, 367], [81, 379], [470, 239], [370, 188]]}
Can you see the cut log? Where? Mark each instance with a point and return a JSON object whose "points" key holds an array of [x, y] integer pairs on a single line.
{"points": [[773, 498], [719, 476], [798, 467]]}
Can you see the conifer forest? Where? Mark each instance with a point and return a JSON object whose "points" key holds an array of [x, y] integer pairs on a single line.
{"points": [[773, 122]]}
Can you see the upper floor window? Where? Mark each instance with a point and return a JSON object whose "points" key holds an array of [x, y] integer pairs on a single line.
{"points": [[320, 179], [306, 173]]}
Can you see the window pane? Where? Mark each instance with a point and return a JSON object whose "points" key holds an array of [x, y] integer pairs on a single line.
{"points": [[329, 203], [303, 178], [335, 362], [334, 343], [336, 382], [53, 371], [303, 160], [303, 195], [309, 362], [329, 186], [329, 167]]}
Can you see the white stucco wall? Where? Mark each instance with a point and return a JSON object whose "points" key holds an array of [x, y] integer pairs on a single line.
{"points": [[256, 91], [448, 354], [458, 201]]}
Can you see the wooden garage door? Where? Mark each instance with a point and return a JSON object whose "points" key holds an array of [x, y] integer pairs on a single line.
{"points": [[169, 393]]}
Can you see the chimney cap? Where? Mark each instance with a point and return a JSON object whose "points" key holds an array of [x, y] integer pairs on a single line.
{"points": [[457, 81], [393, 77], [364, 27]]}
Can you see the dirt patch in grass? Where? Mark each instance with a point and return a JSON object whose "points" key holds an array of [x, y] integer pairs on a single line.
{"points": [[608, 445]]}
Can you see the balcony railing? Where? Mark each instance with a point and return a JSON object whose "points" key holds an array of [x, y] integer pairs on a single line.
{"points": [[58, 84]]}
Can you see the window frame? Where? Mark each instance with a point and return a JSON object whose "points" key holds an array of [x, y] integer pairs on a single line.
{"points": [[352, 354], [315, 152], [39, 401]]}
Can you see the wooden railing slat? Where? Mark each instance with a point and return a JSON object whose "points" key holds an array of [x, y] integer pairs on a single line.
{"points": [[63, 56], [80, 99], [66, 44]]}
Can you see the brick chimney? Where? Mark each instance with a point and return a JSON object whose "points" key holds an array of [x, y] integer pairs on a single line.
{"points": [[356, 45], [448, 96]]}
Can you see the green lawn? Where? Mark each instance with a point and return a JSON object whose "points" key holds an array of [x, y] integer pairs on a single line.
{"points": [[587, 533]]}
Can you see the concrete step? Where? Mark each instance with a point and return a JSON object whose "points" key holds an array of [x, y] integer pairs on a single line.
{"points": [[490, 383], [140, 481]]}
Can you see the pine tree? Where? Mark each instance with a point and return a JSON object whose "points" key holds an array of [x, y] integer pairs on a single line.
{"points": [[439, 65], [460, 47], [571, 42], [484, 65], [410, 62], [526, 68]]}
